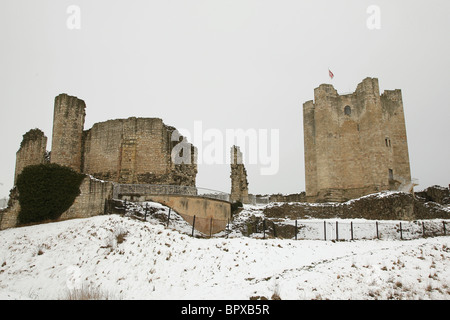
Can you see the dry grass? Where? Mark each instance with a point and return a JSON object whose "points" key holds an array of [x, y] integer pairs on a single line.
{"points": [[87, 292]]}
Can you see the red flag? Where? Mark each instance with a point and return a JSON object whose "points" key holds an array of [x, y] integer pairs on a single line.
{"points": [[330, 74]]}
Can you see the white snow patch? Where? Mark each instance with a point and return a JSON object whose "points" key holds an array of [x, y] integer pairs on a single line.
{"points": [[49, 261]]}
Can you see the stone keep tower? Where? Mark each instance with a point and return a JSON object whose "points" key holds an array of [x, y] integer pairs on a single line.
{"points": [[68, 124], [355, 144]]}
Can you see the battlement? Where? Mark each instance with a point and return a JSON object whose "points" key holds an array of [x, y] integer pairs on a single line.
{"points": [[394, 95], [368, 86], [325, 91]]}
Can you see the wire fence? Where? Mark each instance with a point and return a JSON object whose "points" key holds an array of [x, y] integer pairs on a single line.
{"points": [[265, 228], [194, 225], [347, 230]]}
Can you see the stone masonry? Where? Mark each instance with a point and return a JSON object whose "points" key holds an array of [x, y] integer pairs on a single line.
{"points": [[355, 144], [133, 150], [68, 123], [130, 151], [32, 151], [239, 183]]}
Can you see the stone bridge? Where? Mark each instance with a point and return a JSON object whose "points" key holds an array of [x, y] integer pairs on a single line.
{"points": [[212, 209]]}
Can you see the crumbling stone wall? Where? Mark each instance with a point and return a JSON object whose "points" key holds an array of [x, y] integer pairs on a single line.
{"points": [[91, 202], [133, 150], [379, 206], [293, 197], [32, 151], [355, 144], [136, 150], [239, 183], [436, 194], [9, 216], [68, 122]]}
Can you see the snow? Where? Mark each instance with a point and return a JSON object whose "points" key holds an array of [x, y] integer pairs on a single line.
{"points": [[3, 203], [153, 261]]}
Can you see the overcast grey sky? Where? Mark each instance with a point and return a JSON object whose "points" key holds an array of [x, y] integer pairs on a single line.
{"points": [[231, 64]]}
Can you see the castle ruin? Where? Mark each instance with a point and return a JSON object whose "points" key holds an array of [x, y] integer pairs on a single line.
{"points": [[32, 151], [355, 144], [131, 151], [239, 183]]}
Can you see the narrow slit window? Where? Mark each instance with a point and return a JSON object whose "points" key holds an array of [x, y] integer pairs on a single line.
{"points": [[391, 174], [347, 110], [387, 141]]}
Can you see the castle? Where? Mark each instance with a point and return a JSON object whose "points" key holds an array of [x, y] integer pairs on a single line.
{"points": [[355, 144], [131, 151]]}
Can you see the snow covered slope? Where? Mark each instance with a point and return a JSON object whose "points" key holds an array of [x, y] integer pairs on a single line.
{"points": [[123, 258]]}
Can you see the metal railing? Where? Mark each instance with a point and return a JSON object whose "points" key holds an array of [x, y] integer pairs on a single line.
{"points": [[347, 230], [258, 200], [161, 189]]}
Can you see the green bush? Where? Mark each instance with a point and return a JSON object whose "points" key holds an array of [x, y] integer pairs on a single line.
{"points": [[46, 191]]}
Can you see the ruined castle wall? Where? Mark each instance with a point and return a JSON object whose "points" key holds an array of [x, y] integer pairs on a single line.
{"points": [[68, 122], [134, 150], [345, 142], [239, 182], [395, 135], [309, 137], [91, 201], [32, 151]]}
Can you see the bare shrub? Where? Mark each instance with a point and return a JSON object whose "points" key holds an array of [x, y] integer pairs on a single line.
{"points": [[87, 292]]}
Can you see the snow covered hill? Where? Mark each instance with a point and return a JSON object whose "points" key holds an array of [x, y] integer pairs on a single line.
{"points": [[114, 257]]}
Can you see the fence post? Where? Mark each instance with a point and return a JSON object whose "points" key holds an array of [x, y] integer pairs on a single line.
{"points": [[423, 229], [378, 234], [443, 222], [325, 230], [193, 225], [351, 228], [210, 228], [274, 230], [168, 217], [295, 229], [401, 231], [264, 228], [337, 232]]}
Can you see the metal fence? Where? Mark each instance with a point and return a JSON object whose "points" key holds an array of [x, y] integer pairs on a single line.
{"points": [[304, 229], [121, 190], [192, 225], [347, 230]]}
